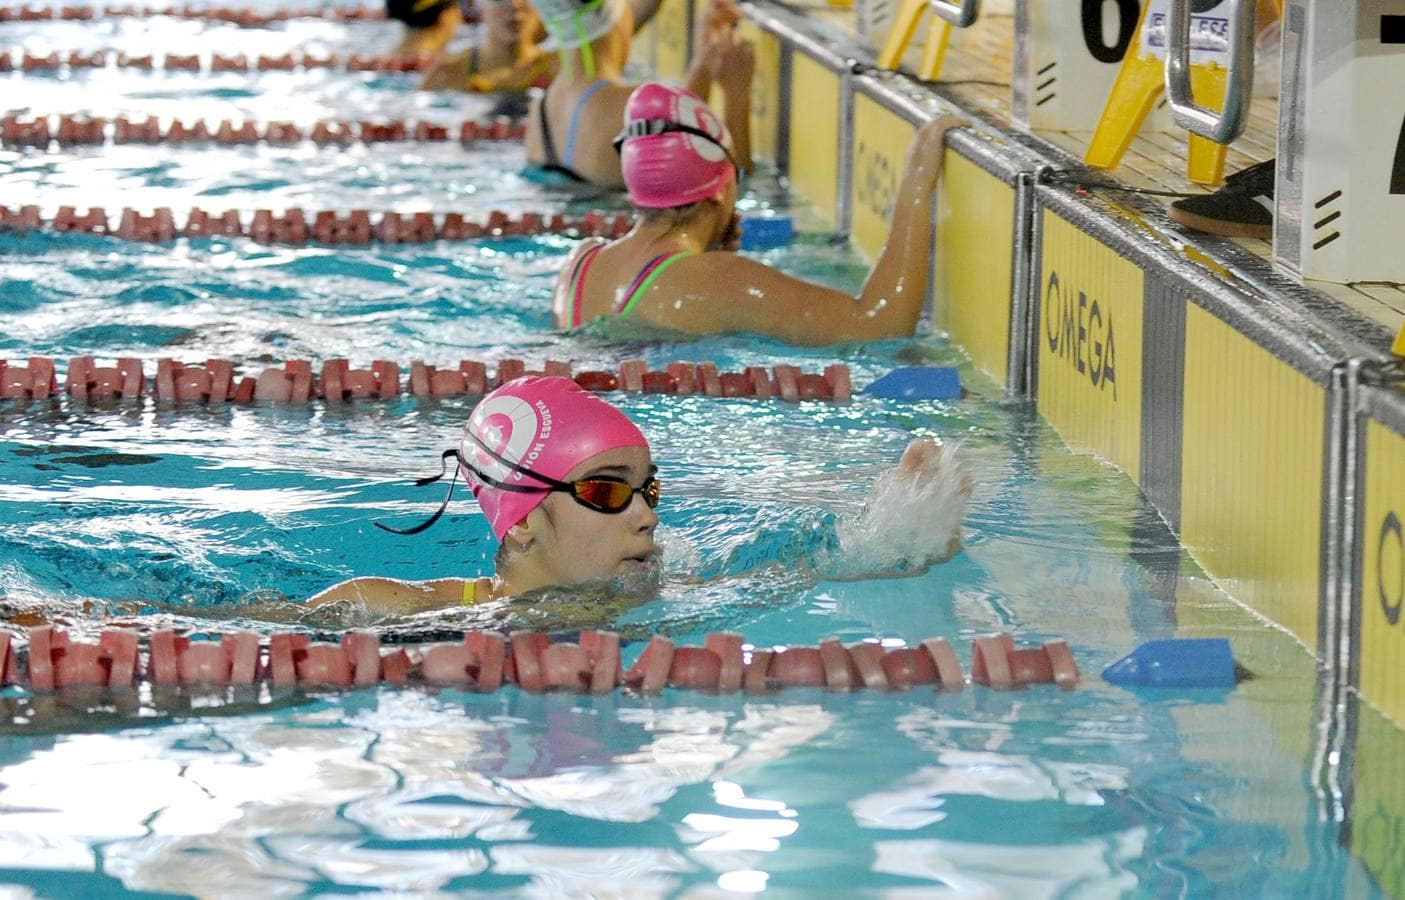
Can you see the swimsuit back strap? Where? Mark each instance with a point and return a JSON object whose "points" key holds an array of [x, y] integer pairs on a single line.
{"points": [[646, 278], [577, 283], [570, 156]]}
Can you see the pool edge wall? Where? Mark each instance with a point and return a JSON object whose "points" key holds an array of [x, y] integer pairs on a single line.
{"points": [[1253, 414]]}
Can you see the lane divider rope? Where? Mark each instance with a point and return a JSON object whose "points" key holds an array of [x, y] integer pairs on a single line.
{"points": [[294, 226], [20, 60], [40, 132], [486, 661], [215, 381], [246, 17]]}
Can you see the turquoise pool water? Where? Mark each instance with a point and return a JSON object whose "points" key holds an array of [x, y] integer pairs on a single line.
{"points": [[205, 517]]}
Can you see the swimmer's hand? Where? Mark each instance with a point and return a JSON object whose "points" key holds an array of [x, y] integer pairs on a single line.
{"points": [[913, 516], [718, 16]]}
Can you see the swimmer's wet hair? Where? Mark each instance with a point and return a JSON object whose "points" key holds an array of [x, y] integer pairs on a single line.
{"points": [[416, 13], [670, 214]]}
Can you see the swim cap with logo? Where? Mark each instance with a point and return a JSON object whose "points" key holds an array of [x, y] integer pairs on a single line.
{"points": [[572, 23], [544, 425], [664, 166]]}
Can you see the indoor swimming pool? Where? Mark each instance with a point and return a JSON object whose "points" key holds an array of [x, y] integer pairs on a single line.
{"points": [[211, 518]]}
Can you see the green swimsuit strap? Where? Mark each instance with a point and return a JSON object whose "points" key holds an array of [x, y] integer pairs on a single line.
{"points": [[645, 279]]}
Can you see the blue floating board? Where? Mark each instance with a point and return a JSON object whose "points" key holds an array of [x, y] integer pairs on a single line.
{"points": [[760, 233], [1184, 663], [918, 383]]}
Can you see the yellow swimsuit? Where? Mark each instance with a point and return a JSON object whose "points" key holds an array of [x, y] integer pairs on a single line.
{"points": [[470, 592]]}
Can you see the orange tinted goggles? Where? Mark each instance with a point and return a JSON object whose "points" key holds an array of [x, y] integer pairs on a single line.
{"points": [[611, 495]]}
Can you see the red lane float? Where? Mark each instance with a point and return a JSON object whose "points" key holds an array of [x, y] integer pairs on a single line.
{"points": [[34, 380], [81, 130], [215, 381], [54, 61], [484, 661], [356, 228], [248, 18]]}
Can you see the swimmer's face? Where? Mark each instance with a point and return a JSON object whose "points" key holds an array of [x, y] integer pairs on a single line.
{"points": [[572, 543]]}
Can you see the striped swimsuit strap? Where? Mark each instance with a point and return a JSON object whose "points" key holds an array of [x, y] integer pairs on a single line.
{"points": [[577, 284], [645, 279]]}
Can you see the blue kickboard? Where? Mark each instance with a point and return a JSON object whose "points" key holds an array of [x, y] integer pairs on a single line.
{"points": [[1183, 663], [918, 383], [760, 233]]}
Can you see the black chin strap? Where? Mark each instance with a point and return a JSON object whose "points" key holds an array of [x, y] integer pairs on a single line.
{"points": [[421, 482]]}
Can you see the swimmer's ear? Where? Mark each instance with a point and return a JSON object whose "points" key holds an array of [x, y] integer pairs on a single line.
{"points": [[524, 534]]}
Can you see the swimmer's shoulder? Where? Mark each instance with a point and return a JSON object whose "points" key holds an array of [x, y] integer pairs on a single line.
{"points": [[398, 595]]}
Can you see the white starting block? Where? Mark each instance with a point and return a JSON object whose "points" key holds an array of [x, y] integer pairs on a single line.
{"points": [[1340, 191], [1066, 61], [1214, 61]]}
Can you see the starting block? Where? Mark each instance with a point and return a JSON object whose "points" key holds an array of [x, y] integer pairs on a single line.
{"points": [[946, 15], [1144, 73]]}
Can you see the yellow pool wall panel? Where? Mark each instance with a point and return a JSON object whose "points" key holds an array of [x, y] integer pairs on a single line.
{"points": [[1251, 473], [881, 139], [814, 135], [765, 93], [974, 255], [669, 32], [1089, 340], [1381, 677]]}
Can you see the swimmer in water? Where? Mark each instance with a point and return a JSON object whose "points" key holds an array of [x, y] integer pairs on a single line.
{"points": [[570, 127], [569, 487], [676, 268], [507, 56]]}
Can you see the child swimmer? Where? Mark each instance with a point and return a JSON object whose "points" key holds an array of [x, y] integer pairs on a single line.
{"points": [[569, 487]]}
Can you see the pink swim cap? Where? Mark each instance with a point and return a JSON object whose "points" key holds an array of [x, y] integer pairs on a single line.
{"points": [[666, 167], [546, 425]]}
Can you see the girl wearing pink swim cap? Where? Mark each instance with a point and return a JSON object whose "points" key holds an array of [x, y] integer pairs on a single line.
{"points": [[676, 268], [569, 488]]}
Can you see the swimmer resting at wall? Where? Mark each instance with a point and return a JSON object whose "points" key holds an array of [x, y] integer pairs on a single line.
{"points": [[570, 127], [506, 57], [676, 269], [569, 488]]}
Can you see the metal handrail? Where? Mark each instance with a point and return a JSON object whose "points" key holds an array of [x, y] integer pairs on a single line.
{"points": [[961, 14], [1225, 125]]}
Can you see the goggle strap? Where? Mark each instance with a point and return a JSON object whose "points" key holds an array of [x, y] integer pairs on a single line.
{"points": [[420, 482], [520, 469]]}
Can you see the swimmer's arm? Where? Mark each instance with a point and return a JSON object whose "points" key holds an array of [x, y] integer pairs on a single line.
{"points": [[734, 74], [731, 293], [720, 292], [911, 521], [450, 74], [393, 595], [517, 77]]}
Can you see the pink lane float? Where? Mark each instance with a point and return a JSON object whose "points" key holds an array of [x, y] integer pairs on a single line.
{"points": [[486, 661], [297, 228], [74, 131], [247, 18], [214, 381], [355, 62]]}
